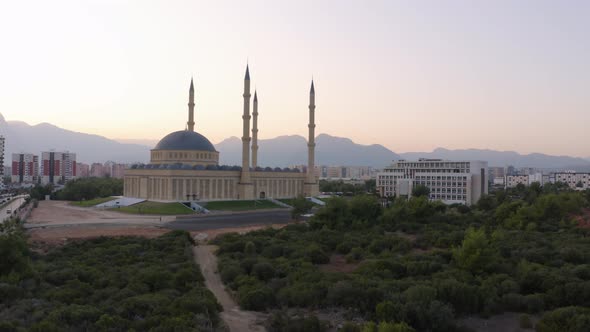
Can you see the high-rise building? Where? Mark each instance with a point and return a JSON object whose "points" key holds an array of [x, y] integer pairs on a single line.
{"points": [[25, 168], [118, 171], [58, 167], [83, 170], [2, 156], [449, 181], [97, 170]]}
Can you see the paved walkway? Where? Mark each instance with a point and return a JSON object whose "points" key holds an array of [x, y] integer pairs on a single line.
{"points": [[237, 320]]}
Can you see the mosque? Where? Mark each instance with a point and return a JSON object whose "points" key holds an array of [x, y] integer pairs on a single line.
{"points": [[184, 165]]}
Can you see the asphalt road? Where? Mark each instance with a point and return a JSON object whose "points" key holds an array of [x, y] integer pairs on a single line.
{"points": [[238, 219], [13, 206]]}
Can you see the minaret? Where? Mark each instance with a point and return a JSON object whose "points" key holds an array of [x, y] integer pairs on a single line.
{"points": [[255, 132], [191, 107], [311, 185], [246, 188]]}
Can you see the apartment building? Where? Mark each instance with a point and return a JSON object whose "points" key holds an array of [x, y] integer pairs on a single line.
{"points": [[514, 180], [577, 181], [83, 170], [25, 168], [449, 181], [58, 167]]}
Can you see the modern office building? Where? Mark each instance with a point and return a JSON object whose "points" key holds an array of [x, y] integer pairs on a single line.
{"points": [[449, 181], [58, 167], [25, 168]]}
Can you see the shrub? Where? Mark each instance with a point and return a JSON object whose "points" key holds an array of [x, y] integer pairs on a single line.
{"points": [[263, 271], [256, 298], [316, 255], [230, 273], [567, 319], [386, 311]]}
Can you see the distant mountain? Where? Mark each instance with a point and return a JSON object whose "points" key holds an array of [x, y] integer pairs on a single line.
{"points": [[146, 142], [22, 137], [292, 150], [276, 152], [503, 158]]}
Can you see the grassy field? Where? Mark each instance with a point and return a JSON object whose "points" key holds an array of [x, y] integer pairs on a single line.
{"points": [[241, 205], [289, 201], [157, 208], [92, 202]]}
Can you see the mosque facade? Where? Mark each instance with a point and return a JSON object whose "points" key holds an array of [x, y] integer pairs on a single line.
{"points": [[184, 165]]}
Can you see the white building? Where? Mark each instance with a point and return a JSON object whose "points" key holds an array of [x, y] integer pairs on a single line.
{"points": [[449, 181], [536, 177], [58, 167], [25, 168], [514, 180], [577, 181]]}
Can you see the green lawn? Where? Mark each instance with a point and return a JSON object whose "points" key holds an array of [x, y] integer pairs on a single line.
{"points": [[92, 202], [157, 208], [289, 201], [240, 205]]}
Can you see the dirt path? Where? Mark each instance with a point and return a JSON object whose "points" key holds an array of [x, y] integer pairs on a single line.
{"points": [[236, 319]]}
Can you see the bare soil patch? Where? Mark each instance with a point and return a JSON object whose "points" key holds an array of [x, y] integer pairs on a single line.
{"points": [[583, 219], [207, 235], [42, 239], [508, 322], [61, 212]]}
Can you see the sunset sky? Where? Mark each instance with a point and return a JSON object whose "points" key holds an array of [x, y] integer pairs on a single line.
{"points": [[410, 75]]}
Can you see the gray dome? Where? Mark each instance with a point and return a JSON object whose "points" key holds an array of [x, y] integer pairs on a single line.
{"points": [[185, 140]]}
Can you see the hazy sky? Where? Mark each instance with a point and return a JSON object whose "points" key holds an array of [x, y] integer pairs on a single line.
{"points": [[411, 75]]}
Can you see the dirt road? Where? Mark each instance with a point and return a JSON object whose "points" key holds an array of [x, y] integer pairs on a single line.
{"points": [[236, 319]]}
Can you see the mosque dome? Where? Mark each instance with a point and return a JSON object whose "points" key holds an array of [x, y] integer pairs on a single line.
{"points": [[185, 140]]}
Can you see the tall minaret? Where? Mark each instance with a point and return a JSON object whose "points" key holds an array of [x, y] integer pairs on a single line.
{"points": [[191, 107], [246, 189], [312, 186], [255, 132]]}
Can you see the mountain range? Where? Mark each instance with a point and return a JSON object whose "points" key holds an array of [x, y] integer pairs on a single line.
{"points": [[22, 137], [276, 152]]}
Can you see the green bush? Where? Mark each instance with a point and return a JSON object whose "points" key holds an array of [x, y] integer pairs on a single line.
{"points": [[567, 319]]}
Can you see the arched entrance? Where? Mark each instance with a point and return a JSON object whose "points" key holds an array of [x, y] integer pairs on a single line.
{"points": [[262, 195]]}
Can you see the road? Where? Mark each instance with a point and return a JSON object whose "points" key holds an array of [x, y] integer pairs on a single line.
{"points": [[13, 206], [230, 220]]}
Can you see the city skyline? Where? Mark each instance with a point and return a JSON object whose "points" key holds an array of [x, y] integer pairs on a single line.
{"points": [[409, 77]]}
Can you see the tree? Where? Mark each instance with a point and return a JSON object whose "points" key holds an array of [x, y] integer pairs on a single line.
{"points": [[475, 253], [301, 206], [420, 191]]}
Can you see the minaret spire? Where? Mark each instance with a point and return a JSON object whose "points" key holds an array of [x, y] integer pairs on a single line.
{"points": [[191, 107], [255, 132], [246, 188], [311, 182]]}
